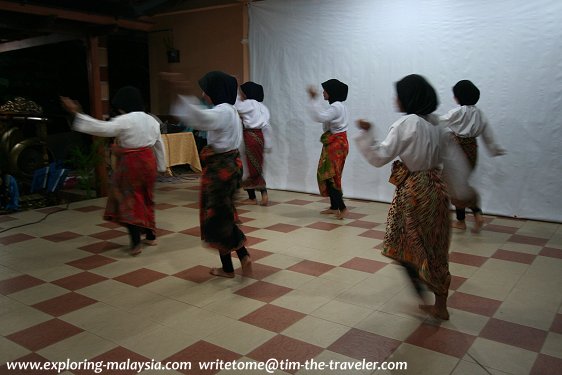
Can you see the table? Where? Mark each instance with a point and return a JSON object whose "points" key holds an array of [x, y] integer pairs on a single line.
{"points": [[180, 148]]}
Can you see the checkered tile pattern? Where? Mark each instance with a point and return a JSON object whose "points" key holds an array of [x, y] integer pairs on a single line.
{"points": [[320, 289]]}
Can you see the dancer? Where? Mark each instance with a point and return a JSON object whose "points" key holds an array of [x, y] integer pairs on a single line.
{"points": [[468, 122], [335, 147], [418, 223], [257, 138], [222, 167], [139, 153]]}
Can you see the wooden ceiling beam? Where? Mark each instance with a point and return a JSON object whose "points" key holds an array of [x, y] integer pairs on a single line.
{"points": [[75, 16]]}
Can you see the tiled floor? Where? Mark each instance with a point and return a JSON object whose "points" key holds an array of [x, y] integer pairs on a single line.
{"points": [[320, 290]]}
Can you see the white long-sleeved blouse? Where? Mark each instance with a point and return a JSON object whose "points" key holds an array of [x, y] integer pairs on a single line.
{"points": [[222, 122], [255, 115], [334, 118], [132, 130], [469, 121], [420, 145]]}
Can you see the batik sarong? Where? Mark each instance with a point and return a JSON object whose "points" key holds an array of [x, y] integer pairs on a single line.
{"points": [[130, 197], [332, 161], [222, 173], [418, 225], [470, 148], [254, 144]]}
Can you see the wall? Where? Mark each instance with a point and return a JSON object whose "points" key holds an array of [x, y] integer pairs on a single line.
{"points": [[510, 49], [207, 40]]}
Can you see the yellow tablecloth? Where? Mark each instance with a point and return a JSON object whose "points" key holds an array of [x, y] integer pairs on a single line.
{"points": [[181, 149]]}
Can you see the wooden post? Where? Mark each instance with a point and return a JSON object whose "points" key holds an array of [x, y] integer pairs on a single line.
{"points": [[96, 106]]}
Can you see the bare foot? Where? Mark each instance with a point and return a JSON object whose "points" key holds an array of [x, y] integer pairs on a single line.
{"points": [[150, 242], [340, 214], [136, 250], [249, 201], [441, 314], [264, 199], [479, 222], [328, 211], [221, 273], [459, 225], [247, 266]]}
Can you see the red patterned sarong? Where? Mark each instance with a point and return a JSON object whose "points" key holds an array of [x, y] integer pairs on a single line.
{"points": [[418, 227], [221, 178], [131, 194], [254, 144], [332, 161], [470, 148]]}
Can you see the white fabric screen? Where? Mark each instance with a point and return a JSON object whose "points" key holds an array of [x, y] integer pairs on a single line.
{"points": [[510, 49]]}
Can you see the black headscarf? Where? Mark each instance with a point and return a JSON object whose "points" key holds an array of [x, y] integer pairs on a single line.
{"points": [[416, 95], [252, 90], [337, 91], [466, 92], [128, 99], [220, 87]]}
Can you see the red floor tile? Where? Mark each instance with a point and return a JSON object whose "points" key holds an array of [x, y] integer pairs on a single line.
{"points": [[122, 357], [500, 228], [261, 271], [101, 247], [353, 215], [363, 224], [248, 229], [108, 234], [251, 241], [25, 361], [557, 324], [6, 218], [273, 318], [514, 334], [298, 202], [79, 281], [473, 304], [51, 331], [160, 232], [63, 236], [164, 206], [64, 304], [140, 277], [192, 205], [361, 345], [285, 349], [551, 252], [15, 284], [442, 340], [528, 240], [467, 259], [514, 256], [376, 234], [91, 262], [263, 291], [283, 228], [195, 231], [456, 282], [364, 265], [311, 268], [89, 209], [197, 274], [200, 352], [15, 238], [110, 225], [546, 365], [322, 225]]}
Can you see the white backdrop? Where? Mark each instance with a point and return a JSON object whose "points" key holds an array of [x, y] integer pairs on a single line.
{"points": [[511, 49]]}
